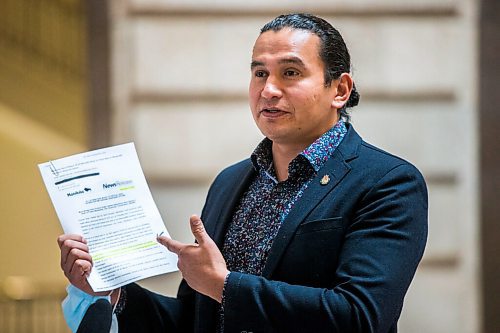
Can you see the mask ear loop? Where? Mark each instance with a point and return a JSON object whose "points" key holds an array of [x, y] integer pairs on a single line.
{"points": [[117, 299]]}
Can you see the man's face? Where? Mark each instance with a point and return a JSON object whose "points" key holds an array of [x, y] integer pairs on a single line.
{"points": [[289, 100]]}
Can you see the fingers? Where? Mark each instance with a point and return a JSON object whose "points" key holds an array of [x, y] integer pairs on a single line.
{"points": [[198, 229], [69, 244], [172, 245], [80, 269], [62, 238], [78, 260], [78, 275]]}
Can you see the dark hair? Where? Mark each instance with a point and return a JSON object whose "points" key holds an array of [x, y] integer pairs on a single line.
{"points": [[332, 51]]}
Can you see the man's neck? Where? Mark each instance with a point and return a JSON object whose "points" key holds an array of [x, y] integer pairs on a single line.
{"points": [[284, 153]]}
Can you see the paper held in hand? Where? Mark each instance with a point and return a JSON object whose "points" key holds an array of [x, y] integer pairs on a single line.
{"points": [[103, 195]]}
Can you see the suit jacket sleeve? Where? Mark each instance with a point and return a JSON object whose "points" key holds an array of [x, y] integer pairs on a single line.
{"points": [[148, 312], [384, 241]]}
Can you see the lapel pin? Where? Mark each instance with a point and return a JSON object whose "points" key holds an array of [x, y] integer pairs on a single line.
{"points": [[325, 180]]}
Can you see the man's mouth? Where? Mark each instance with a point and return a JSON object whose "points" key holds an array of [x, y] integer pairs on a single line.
{"points": [[272, 111]]}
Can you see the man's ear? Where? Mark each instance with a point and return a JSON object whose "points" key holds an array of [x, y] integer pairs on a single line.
{"points": [[344, 87]]}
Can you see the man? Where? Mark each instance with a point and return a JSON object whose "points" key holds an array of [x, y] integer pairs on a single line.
{"points": [[317, 232]]}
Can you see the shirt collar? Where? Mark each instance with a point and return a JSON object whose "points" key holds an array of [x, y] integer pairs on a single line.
{"points": [[322, 149], [315, 155]]}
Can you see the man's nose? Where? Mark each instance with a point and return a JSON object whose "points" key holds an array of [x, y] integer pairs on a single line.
{"points": [[271, 89]]}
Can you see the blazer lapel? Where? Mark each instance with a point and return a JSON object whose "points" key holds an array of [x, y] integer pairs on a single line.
{"points": [[335, 168]]}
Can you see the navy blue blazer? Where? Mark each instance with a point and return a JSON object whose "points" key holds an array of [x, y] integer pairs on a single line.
{"points": [[342, 260]]}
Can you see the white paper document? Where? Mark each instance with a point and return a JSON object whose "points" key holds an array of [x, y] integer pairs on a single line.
{"points": [[103, 195]]}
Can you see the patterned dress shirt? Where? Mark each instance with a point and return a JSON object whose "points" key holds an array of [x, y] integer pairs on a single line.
{"points": [[267, 202]]}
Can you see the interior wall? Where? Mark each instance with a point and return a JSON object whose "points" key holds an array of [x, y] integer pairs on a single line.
{"points": [[42, 116], [29, 226], [43, 63]]}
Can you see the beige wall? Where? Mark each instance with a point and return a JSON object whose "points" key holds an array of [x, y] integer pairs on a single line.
{"points": [[29, 225], [42, 116], [181, 70]]}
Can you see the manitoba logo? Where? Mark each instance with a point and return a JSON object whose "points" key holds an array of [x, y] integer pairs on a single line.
{"points": [[86, 189], [70, 194]]}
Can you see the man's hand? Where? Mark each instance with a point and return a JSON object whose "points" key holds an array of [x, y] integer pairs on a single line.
{"points": [[76, 263], [202, 265]]}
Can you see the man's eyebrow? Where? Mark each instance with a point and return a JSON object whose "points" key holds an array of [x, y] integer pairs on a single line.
{"points": [[255, 63], [289, 60], [292, 60]]}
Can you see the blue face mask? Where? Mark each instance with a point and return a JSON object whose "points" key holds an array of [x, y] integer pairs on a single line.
{"points": [[76, 304]]}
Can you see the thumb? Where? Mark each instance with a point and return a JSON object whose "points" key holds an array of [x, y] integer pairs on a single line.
{"points": [[198, 229]]}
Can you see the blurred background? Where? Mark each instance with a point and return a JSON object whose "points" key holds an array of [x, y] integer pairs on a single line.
{"points": [[172, 75]]}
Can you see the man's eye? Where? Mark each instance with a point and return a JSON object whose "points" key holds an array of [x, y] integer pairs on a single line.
{"points": [[291, 72], [260, 74]]}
